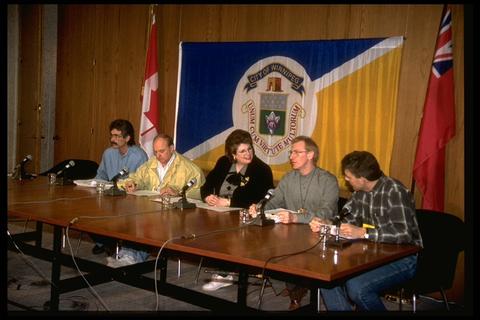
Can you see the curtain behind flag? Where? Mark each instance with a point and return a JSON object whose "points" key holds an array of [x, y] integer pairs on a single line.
{"points": [[149, 117], [438, 122], [342, 93]]}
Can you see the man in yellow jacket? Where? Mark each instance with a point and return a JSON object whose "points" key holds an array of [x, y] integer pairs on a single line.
{"points": [[168, 172]]}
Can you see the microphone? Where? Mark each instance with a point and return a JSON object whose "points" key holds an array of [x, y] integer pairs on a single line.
{"points": [[26, 159], [337, 221], [70, 164], [183, 202], [267, 197], [64, 180], [262, 220], [188, 185], [121, 174], [19, 171], [115, 191]]}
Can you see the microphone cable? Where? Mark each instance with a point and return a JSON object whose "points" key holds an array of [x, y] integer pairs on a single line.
{"points": [[30, 263], [26, 221], [184, 237], [50, 200], [284, 256], [89, 286], [155, 268]]}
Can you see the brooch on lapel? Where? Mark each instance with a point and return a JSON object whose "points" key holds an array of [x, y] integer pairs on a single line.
{"points": [[244, 181]]}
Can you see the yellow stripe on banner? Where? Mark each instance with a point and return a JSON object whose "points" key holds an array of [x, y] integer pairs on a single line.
{"points": [[207, 161], [358, 112]]}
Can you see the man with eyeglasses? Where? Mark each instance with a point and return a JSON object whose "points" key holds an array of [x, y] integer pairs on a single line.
{"points": [[305, 192], [123, 153]]}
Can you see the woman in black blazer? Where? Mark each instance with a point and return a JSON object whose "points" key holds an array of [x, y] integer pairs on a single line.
{"points": [[239, 178]]}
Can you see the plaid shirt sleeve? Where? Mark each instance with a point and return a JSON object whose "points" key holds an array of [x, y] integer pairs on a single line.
{"points": [[389, 208]]}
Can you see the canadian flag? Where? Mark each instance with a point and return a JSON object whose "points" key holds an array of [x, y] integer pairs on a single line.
{"points": [[149, 117]]}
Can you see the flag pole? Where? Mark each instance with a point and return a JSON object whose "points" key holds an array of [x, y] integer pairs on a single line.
{"points": [[149, 27], [149, 95]]}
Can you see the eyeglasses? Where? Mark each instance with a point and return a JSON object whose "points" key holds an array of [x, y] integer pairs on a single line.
{"points": [[296, 152], [244, 151]]}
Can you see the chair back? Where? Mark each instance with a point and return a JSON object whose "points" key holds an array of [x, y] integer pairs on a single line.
{"points": [[83, 169], [341, 202], [443, 239]]}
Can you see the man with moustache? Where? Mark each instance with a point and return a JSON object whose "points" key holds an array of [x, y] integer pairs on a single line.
{"points": [[123, 153]]}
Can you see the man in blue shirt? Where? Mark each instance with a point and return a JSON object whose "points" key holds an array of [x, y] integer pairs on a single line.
{"points": [[123, 153]]}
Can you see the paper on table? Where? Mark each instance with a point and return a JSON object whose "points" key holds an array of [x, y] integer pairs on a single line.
{"points": [[92, 183], [204, 205], [175, 199], [200, 204], [275, 211], [272, 214], [144, 193]]}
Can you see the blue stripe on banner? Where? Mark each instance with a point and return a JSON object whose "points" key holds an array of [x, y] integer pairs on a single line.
{"points": [[211, 72]]}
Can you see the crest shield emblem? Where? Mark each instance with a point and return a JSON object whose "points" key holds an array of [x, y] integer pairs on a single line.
{"points": [[273, 108]]}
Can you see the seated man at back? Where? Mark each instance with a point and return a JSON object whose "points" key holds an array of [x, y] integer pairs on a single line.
{"points": [[123, 153]]}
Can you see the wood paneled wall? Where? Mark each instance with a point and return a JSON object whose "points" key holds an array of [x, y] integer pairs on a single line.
{"points": [[101, 58], [29, 108]]}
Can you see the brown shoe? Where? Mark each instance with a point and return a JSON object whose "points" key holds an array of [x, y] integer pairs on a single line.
{"points": [[294, 305], [285, 292], [298, 293]]}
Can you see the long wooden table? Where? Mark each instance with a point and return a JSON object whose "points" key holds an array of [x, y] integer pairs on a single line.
{"points": [[199, 232]]}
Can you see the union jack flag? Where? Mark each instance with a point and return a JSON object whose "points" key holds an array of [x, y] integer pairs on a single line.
{"points": [[443, 60]]}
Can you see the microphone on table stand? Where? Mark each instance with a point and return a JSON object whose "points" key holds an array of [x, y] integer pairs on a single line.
{"points": [[62, 173], [19, 171], [23, 173], [115, 191], [262, 219], [183, 202]]}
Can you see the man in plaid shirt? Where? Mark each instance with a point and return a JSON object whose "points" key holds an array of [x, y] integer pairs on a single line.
{"points": [[381, 209]]}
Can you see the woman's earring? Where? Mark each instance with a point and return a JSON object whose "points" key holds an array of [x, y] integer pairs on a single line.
{"points": [[234, 158]]}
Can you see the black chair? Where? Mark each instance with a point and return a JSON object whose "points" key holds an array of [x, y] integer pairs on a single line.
{"points": [[341, 202], [83, 169], [443, 239]]}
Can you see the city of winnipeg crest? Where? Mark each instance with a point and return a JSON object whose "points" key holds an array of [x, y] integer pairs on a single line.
{"points": [[274, 100]]}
